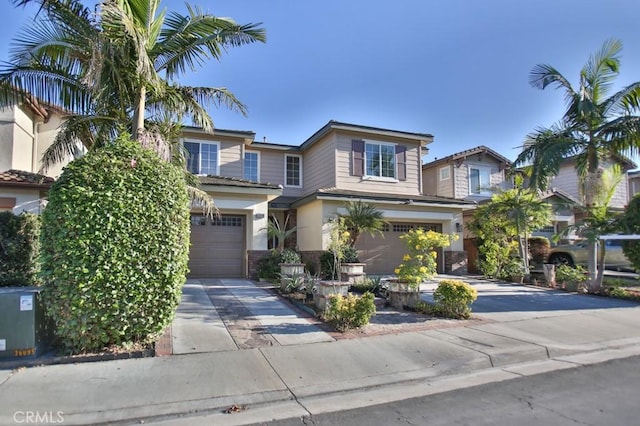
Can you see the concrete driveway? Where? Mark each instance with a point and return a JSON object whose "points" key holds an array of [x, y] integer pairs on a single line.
{"points": [[503, 301]]}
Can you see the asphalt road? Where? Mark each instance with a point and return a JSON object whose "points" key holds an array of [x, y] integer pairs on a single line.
{"points": [[601, 394]]}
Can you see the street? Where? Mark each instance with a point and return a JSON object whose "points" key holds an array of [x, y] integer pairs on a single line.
{"points": [[600, 394]]}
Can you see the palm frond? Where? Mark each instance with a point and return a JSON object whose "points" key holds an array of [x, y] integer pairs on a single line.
{"points": [[544, 151], [601, 69], [186, 41], [204, 200]]}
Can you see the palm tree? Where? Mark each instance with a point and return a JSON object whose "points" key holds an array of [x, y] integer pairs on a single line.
{"points": [[110, 69], [362, 217], [595, 128]]}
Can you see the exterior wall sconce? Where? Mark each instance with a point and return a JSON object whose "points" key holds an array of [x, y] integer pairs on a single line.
{"points": [[458, 227]]}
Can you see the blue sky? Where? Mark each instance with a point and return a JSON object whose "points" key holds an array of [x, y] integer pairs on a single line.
{"points": [[457, 69]]}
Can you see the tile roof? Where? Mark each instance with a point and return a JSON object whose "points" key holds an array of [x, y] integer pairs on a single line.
{"points": [[22, 178], [335, 193], [231, 181]]}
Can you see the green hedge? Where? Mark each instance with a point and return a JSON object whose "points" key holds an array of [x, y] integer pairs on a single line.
{"points": [[631, 221], [19, 248], [115, 246]]}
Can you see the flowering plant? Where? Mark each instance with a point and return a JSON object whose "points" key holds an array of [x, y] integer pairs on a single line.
{"points": [[338, 246], [419, 263]]}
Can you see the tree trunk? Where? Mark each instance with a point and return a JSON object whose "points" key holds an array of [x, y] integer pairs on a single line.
{"points": [[590, 188], [138, 116]]}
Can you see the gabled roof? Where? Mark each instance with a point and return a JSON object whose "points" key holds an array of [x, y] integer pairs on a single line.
{"points": [[21, 178], [462, 155], [560, 194], [337, 125], [347, 195]]}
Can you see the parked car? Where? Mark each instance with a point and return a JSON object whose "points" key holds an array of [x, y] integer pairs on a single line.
{"points": [[576, 254]]}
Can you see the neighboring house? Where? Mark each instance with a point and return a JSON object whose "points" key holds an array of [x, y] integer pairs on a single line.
{"points": [[310, 183], [563, 208], [567, 181], [473, 175], [634, 183], [26, 131]]}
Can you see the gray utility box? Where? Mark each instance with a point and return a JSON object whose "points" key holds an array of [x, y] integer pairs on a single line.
{"points": [[25, 331]]}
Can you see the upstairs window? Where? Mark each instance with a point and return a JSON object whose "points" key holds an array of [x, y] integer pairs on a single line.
{"points": [[479, 180], [202, 158], [252, 166], [380, 160], [293, 170], [445, 173], [386, 161]]}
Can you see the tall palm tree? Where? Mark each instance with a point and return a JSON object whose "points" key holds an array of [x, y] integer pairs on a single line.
{"points": [[111, 68], [594, 128], [362, 217]]}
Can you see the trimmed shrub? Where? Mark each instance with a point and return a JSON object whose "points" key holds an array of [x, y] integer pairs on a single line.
{"points": [[115, 246], [347, 312], [566, 274], [19, 247], [539, 250], [269, 266], [453, 298]]}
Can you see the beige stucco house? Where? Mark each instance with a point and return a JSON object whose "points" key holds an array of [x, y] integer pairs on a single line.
{"points": [[310, 183], [26, 131]]}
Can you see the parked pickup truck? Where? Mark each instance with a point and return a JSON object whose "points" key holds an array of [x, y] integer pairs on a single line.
{"points": [[576, 254]]}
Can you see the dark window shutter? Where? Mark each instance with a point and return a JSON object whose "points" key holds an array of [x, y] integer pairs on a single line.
{"points": [[357, 157], [401, 162]]}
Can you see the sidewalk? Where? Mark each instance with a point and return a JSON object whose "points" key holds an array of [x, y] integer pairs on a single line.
{"points": [[297, 369]]}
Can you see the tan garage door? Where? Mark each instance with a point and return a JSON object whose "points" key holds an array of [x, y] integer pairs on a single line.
{"points": [[383, 253], [217, 247]]}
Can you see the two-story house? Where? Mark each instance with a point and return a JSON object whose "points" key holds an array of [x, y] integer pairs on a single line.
{"points": [[310, 183], [473, 175], [249, 181], [477, 173]]}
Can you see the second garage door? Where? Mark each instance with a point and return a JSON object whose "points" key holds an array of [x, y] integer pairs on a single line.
{"points": [[217, 247], [383, 253]]}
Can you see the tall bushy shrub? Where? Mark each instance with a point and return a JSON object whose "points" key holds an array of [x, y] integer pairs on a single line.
{"points": [[631, 225], [19, 249], [115, 246]]}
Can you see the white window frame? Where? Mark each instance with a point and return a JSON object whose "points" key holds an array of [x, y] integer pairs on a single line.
{"points": [[285, 170], [445, 169], [217, 144], [380, 177], [257, 166], [483, 190]]}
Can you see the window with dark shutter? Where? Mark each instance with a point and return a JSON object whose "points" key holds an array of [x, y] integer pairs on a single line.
{"points": [[401, 161], [357, 157]]}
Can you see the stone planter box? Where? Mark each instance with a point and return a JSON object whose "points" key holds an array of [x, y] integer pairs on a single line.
{"points": [[328, 288], [402, 287], [291, 269], [403, 294], [352, 268], [352, 272]]}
